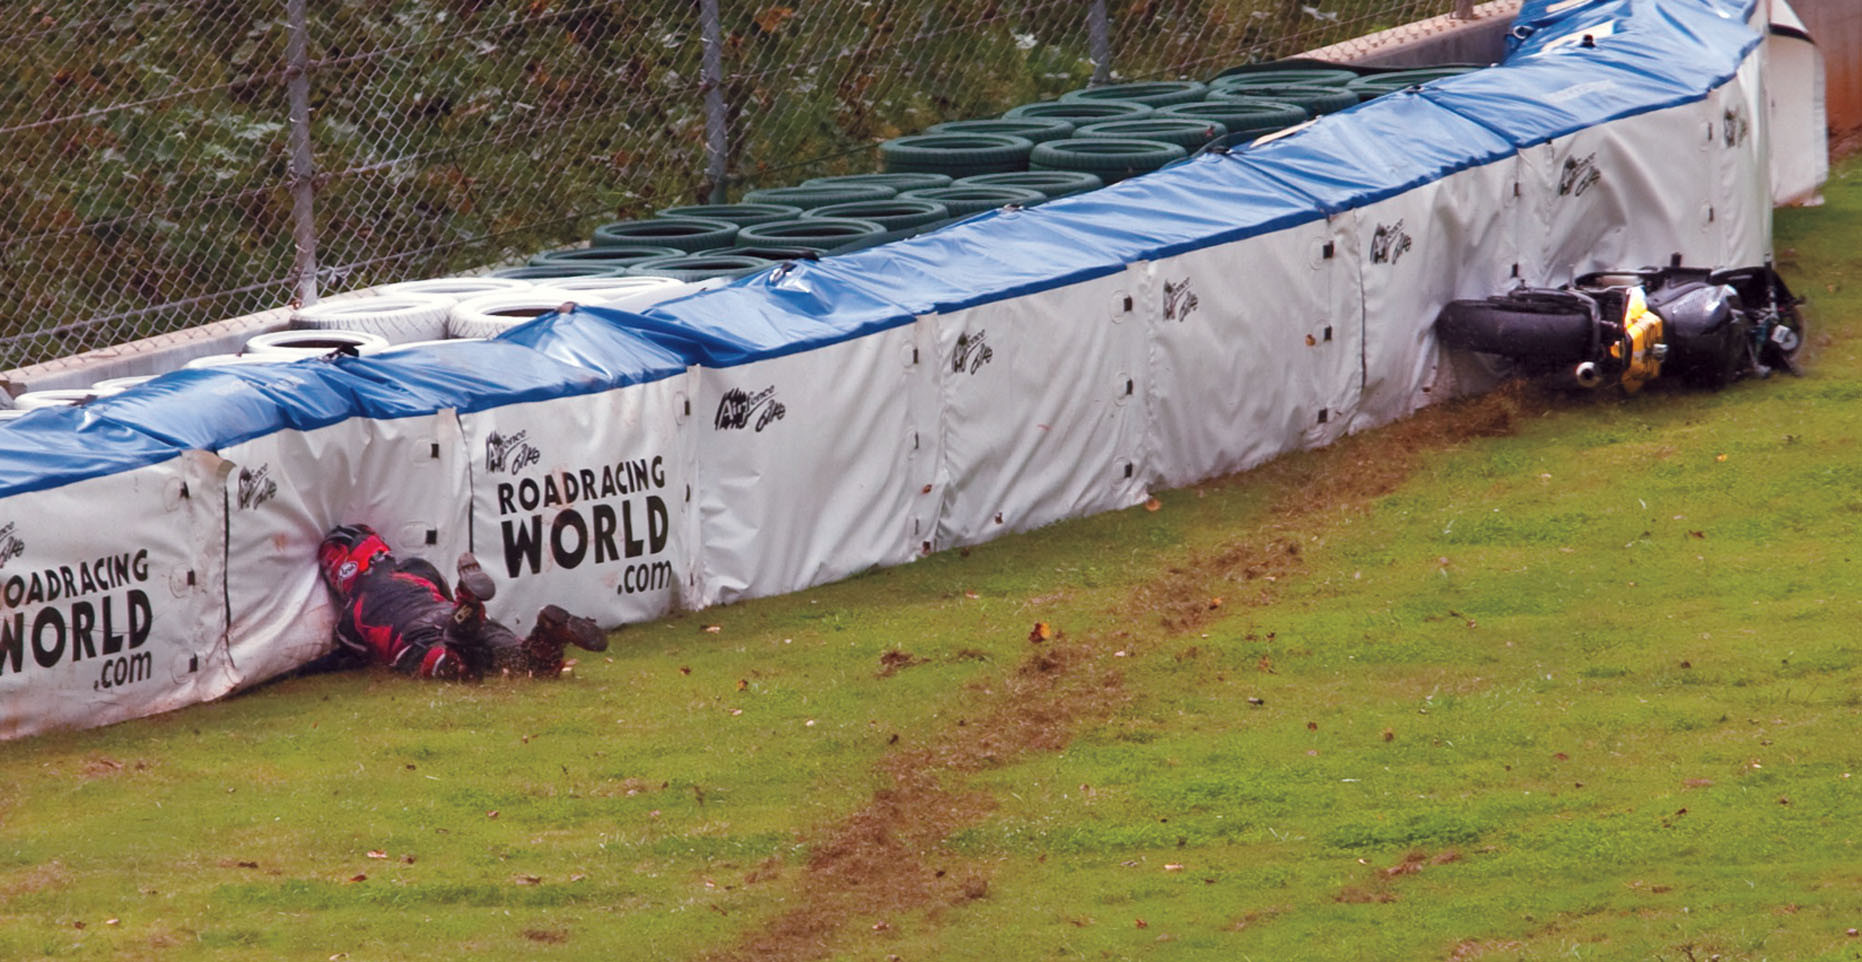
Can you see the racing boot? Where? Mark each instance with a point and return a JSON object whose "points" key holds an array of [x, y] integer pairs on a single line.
{"points": [[473, 581], [556, 630], [475, 588]]}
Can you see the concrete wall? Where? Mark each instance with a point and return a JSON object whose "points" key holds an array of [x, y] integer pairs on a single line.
{"points": [[1837, 27], [1437, 40]]}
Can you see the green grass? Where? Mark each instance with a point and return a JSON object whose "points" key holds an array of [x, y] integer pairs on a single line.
{"points": [[1590, 689]]}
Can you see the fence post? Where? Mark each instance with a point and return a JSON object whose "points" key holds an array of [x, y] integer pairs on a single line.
{"points": [[1099, 35], [303, 220], [711, 81], [1464, 10]]}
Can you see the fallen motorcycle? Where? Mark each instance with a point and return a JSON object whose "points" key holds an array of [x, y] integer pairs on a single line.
{"points": [[1708, 327]]}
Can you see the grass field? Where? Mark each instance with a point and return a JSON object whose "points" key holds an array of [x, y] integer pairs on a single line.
{"points": [[1523, 677]]}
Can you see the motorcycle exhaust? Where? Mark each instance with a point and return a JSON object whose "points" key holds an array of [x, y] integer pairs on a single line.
{"points": [[1587, 375]]}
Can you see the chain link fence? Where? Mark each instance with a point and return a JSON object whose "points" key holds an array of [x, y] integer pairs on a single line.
{"points": [[166, 164]]}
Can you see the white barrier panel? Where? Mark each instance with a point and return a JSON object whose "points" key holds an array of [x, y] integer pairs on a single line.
{"points": [[1798, 130], [1628, 193], [811, 466], [404, 477], [1742, 210], [1043, 413], [581, 501], [1451, 238], [110, 597], [1254, 350]]}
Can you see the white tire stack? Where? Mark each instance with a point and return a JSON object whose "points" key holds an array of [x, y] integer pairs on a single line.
{"points": [[605, 291], [456, 288], [395, 317], [58, 397], [489, 315], [315, 343]]}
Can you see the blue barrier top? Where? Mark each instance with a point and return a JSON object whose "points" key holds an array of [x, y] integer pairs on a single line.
{"points": [[212, 408], [51, 447], [1540, 22], [1378, 149], [596, 340]]}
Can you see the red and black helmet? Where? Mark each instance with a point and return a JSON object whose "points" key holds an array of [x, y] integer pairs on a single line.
{"points": [[346, 552]]}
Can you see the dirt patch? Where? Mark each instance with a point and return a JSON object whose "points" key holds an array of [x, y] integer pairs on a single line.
{"points": [[39, 878], [1381, 886], [895, 661], [1472, 949], [100, 766], [889, 857]]}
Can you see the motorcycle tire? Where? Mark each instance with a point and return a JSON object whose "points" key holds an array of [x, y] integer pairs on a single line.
{"points": [[1542, 331]]}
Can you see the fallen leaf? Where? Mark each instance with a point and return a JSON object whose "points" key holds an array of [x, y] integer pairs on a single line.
{"points": [[492, 814], [771, 19], [1215, 603], [1389, 735], [1697, 534], [1312, 726], [1265, 666], [1042, 632], [1153, 504], [1719, 457], [742, 684], [358, 877], [684, 670], [377, 853], [971, 595], [1143, 924]]}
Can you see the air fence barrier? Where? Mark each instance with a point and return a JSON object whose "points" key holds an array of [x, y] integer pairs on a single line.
{"points": [[826, 417]]}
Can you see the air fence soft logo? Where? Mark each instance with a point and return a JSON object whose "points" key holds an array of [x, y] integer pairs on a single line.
{"points": [[1579, 175], [596, 515], [1179, 300], [1388, 243], [737, 407], [10, 544], [512, 454], [1734, 127], [255, 487], [973, 351], [77, 613]]}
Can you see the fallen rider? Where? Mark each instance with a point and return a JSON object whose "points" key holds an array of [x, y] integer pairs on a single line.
{"points": [[402, 614]]}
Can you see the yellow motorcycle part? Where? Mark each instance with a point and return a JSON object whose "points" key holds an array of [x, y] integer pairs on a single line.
{"points": [[1642, 336]]}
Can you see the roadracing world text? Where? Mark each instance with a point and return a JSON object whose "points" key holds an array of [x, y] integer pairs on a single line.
{"points": [[77, 613], [614, 513]]}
